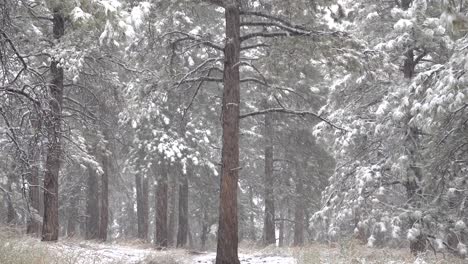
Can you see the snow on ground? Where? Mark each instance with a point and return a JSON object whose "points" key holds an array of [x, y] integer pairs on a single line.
{"points": [[246, 259], [90, 252]]}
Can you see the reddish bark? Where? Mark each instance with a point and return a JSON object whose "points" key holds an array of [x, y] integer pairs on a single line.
{"points": [[228, 223]]}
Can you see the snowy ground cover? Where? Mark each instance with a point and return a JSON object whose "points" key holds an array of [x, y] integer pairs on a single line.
{"points": [[246, 259], [21, 249]]}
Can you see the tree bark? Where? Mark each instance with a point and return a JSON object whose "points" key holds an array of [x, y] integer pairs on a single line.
{"points": [[92, 205], [161, 207], [299, 209], [228, 220], [252, 235], [205, 228], [50, 228], [104, 209], [11, 213], [34, 222], [182, 231], [281, 230], [269, 220], [73, 211], [141, 184], [172, 211]]}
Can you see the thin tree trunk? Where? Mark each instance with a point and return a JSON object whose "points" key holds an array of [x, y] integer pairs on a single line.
{"points": [[182, 231], [205, 228], [34, 222], [269, 220], [11, 213], [161, 207], [172, 204], [281, 230], [130, 219], [50, 228], [252, 235], [92, 205], [73, 211], [104, 209], [228, 223], [299, 209], [142, 206]]}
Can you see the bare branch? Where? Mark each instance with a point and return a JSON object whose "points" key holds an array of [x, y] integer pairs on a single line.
{"points": [[19, 92], [199, 79], [287, 34], [23, 62], [190, 37], [200, 84], [255, 46], [270, 17], [291, 112], [196, 69]]}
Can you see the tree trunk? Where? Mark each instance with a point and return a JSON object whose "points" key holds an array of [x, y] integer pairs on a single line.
{"points": [[104, 209], [130, 222], [182, 231], [141, 183], [269, 221], [205, 228], [161, 207], [35, 219], [50, 228], [11, 213], [92, 205], [252, 235], [299, 209], [228, 223], [73, 211], [281, 230], [172, 204]]}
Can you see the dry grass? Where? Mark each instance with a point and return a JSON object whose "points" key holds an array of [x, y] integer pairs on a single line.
{"points": [[17, 248], [353, 252]]}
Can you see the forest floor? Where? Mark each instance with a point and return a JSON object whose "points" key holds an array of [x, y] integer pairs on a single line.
{"points": [[16, 248]]}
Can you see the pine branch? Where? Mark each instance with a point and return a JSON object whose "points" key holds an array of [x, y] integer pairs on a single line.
{"points": [[190, 37], [291, 112]]}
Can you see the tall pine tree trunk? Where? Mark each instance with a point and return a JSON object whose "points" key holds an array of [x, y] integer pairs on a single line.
{"points": [[35, 219], [50, 228], [141, 183], [92, 205], [172, 211], [161, 207], [11, 213], [182, 231], [269, 220], [104, 209], [73, 211], [252, 235], [228, 223], [299, 208]]}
